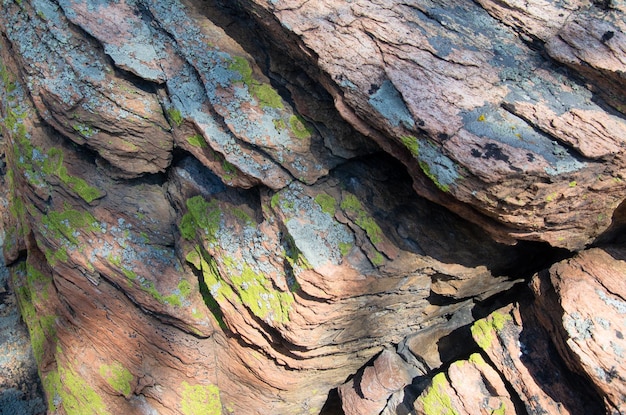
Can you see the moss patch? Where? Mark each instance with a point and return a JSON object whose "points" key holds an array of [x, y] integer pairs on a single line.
{"points": [[53, 164], [200, 399], [118, 377]]}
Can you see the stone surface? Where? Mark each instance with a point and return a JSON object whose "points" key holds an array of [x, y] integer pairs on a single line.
{"points": [[581, 303], [256, 199], [368, 392]]}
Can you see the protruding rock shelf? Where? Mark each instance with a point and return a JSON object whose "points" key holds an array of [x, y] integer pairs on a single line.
{"points": [[293, 207]]}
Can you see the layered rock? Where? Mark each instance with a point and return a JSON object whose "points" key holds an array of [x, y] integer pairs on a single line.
{"points": [[233, 208]]}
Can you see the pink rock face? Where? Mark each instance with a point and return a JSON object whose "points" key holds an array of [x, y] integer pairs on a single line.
{"points": [[469, 387], [233, 207], [581, 302]]}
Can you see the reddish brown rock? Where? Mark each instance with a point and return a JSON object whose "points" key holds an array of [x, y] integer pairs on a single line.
{"points": [[581, 303], [469, 387], [237, 194], [524, 355], [368, 392]]}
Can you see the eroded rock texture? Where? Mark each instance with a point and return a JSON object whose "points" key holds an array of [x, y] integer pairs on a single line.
{"points": [[239, 207]]}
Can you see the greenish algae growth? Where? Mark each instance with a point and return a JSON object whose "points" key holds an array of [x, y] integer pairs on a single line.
{"points": [[436, 401], [257, 293], [484, 329], [210, 278], [410, 142], [67, 222], [200, 399], [327, 203], [185, 288], [363, 219], [500, 411], [66, 389], [275, 200], [201, 215], [477, 359], [41, 328], [426, 169], [118, 377], [175, 116], [242, 216], [197, 140], [53, 164], [300, 127], [378, 259], [84, 130], [345, 248], [115, 260], [230, 171], [264, 93]]}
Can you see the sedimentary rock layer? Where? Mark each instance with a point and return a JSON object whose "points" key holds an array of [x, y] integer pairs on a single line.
{"points": [[232, 208]]}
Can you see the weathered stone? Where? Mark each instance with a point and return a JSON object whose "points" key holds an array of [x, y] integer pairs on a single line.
{"points": [[368, 392], [469, 387], [581, 303], [524, 355], [239, 195]]}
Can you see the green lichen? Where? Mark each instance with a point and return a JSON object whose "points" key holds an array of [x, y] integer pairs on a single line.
{"points": [[426, 169], [129, 273], [197, 141], [210, 278], [378, 259], [500, 411], [436, 401], [264, 93], [65, 224], [345, 248], [300, 127], [242, 216], [410, 142], [351, 204], [175, 116], [84, 130], [201, 215], [257, 292], [230, 171], [572, 183], [200, 399], [118, 377], [185, 288], [477, 359], [66, 389], [53, 164], [41, 327], [327, 203], [484, 329]]}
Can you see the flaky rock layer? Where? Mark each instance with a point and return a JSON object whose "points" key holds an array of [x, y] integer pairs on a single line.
{"points": [[232, 207]]}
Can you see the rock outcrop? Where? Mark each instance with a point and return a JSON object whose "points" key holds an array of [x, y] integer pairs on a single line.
{"points": [[247, 207]]}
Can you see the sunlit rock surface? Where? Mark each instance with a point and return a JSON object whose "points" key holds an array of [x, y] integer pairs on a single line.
{"points": [[270, 206]]}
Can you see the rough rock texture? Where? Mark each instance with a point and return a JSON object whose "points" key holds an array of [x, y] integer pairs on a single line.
{"points": [[258, 200]]}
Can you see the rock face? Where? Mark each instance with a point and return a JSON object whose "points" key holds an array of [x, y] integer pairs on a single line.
{"points": [[234, 207]]}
